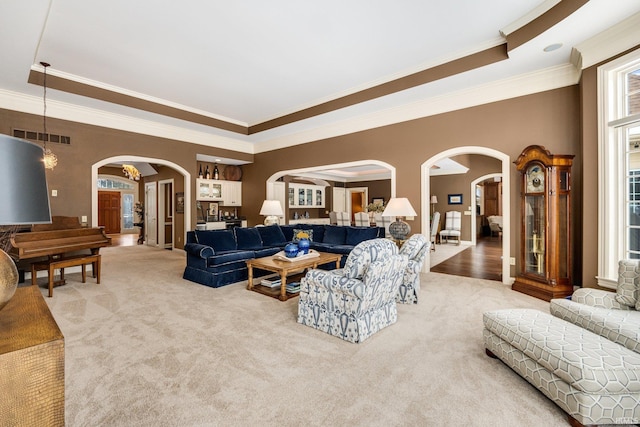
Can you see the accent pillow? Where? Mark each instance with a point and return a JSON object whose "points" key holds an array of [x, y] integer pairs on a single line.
{"points": [[627, 292], [335, 235], [357, 235], [271, 235], [299, 233], [219, 240], [248, 238]]}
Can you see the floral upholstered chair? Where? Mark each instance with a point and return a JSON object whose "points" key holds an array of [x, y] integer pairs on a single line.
{"points": [[415, 249], [358, 300]]}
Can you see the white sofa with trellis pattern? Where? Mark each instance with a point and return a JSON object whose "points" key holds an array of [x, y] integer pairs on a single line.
{"points": [[358, 300], [585, 355]]}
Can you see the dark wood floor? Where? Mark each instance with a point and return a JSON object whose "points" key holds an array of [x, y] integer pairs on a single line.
{"points": [[482, 261]]}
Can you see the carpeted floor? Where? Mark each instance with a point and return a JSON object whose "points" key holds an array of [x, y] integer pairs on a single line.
{"points": [[146, 348]]}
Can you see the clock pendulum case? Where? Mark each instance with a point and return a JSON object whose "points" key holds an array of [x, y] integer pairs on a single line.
{"points": [[545, 235]]}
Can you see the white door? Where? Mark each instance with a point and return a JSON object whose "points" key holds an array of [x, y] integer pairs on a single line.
{"points": [[151, 213], [339, 200]]}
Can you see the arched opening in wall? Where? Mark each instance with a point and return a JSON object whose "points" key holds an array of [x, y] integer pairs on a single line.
{"points": [[159, 200], [344, 177], [463, 199]]}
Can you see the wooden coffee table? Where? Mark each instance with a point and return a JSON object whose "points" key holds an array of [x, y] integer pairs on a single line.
{"points": [[284, 268]]}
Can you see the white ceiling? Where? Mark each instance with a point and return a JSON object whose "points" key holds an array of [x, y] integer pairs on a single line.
{"points": [[251, 61]]}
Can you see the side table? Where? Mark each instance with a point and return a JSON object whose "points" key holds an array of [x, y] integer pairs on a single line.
{"points": [[31, 362]]}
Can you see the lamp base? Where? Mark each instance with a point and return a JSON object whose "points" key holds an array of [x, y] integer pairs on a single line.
{"points": [[399, 229], [271, 219], [8, 278]]}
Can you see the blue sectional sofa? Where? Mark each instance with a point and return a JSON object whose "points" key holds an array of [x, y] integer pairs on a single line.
{"points": [[218, 257]]}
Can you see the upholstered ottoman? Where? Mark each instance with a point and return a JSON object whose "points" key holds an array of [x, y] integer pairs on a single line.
{"points": [[594, 380]]}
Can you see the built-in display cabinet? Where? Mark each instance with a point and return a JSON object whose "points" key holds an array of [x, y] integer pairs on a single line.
{"points": [[228, 193], [306, 196]]}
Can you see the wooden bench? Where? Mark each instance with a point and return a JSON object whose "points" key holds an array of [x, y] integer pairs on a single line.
{"points": [[61, 263]]}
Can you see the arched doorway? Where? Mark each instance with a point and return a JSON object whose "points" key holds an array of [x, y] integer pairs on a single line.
{"points": [[506, 221], [132, 158]]}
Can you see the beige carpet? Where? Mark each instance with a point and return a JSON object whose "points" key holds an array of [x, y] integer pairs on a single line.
{"points": [[445, 251], [146, 348]]}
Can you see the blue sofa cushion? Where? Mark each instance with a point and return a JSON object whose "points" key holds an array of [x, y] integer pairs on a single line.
{"points": [[202, 251], [272, 235], [335, 234], [261, 253], [300, 233], [231, 257], [356, 235], [248, 238], [219, 240], [318, 232]]}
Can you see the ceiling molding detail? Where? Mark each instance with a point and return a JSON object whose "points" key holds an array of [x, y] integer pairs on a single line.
{"points": [[542, 23], [524, 84], [65, 111], [611, 42]]}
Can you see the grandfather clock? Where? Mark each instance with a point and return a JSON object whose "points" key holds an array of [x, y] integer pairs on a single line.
{"points": [[545, 240]]}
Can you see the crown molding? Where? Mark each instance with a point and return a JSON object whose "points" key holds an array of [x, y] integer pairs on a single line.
{"points": [[619, 38], [521, 85], [536, 12], [115, 89], [65, 111]]}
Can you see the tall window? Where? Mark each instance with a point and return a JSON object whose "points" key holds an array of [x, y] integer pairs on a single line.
{"points": [[619, 165]]}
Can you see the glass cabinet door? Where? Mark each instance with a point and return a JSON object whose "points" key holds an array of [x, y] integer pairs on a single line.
{"points": [[292, 197], [534, 231]]}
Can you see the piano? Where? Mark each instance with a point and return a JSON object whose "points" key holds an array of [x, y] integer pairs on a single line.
{"points": [[64, 235]]}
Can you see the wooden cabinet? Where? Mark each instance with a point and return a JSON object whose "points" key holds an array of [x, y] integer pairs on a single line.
{"points": [[31, 362], [545, 240], [229, 193], [208, 190], [306, 196]]}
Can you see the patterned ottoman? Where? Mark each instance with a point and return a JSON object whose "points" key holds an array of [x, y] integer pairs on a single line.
{"points": [[594, 380]]}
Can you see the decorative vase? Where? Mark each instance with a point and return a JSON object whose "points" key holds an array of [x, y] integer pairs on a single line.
{"points": [[291, 250], [303, 245], [8, 278]]}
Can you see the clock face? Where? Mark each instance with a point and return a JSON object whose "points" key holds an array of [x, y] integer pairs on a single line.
{"points": [[535, 179]]}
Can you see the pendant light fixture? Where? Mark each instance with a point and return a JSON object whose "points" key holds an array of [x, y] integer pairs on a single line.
{"points": [[50, 159]]}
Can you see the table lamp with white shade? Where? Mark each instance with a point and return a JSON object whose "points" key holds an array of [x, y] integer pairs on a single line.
{"points": [[24, 200], [399, 207], [272, 209]]}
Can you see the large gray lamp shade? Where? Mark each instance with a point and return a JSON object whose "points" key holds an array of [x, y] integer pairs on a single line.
{"points": [[23, 199], [23, 184]]}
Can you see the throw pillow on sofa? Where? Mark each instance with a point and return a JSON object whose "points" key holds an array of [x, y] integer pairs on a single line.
{"points": [[272, 235], [335, 235], [301, 234], [628, 278], [357, 235], [248, 238], [219, 240]]}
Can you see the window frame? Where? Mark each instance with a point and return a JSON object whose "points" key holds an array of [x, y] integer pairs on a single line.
{"points": [[613, 181]]}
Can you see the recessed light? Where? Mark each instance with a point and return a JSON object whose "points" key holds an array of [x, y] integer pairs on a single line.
{"points": [[553, 47]]}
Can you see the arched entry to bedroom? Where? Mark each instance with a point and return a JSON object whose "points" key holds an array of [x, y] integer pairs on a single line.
{"points": [[461, 196]]}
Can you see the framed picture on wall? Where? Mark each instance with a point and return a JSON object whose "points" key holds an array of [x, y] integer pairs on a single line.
{"points": [[180, 202], [378, 200], [455, 199]]}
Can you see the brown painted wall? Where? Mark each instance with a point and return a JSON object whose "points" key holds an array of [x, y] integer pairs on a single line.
{"points": [[551, 119], [91, 144]]}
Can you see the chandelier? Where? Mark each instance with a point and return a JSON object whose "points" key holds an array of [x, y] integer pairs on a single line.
{"points": [[50, 159], [131, 172]]}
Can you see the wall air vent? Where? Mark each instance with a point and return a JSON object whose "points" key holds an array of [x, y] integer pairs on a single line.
{"points": [[39, 136]]}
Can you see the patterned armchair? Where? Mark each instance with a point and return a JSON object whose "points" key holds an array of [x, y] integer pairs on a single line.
{"points": [[416, 251], [358, 300]]}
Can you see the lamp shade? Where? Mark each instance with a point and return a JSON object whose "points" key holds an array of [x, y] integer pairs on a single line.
{"points": [[434, 199], [399, 207], [271, 207], [24, 195]]}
